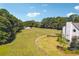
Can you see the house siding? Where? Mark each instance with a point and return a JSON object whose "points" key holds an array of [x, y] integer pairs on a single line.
{"points": [[68, 32]]}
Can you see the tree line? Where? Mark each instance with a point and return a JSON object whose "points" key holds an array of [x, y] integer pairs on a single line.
{"points": [[52, 22]]}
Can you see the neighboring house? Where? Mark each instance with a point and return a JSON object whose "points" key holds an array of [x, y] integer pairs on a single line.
{"points": [[70, 30], [27, 28]]}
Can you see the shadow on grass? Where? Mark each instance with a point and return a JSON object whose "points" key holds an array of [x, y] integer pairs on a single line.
{"points": [[60, 48], [52, 36]]}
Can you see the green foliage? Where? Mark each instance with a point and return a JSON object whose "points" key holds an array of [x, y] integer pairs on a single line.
{"points": [[58, 22], [74, 18], [75, 42], [9, 25], [63, 42], [31, 23], [53, 22]]}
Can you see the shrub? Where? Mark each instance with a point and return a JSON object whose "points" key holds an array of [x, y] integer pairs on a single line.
{"points": [[63, 42], [75, 42]]}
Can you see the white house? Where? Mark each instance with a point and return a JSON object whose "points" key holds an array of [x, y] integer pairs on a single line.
{"points": [[70, 30]]}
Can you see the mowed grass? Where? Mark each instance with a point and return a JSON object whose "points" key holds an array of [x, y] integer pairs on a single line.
{"points": [[49, 46], [24, 44]]}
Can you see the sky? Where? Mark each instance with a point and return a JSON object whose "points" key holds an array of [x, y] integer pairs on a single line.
{"points": [[38, 11]]}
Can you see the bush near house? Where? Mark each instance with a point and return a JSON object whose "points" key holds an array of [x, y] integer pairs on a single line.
{"points": [[73, 48], [75, 43], [63, 42]]}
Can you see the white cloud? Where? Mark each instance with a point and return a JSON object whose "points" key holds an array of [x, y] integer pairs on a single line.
{"points": [[71, 13], [76, 7], [33, 14]]}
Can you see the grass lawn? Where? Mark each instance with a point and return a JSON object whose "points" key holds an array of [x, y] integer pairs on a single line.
{"points": [[48, 45], [24, 44]]}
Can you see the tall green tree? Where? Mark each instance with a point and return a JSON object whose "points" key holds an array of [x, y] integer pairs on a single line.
{"points": [[9, 26], [53, 22]]}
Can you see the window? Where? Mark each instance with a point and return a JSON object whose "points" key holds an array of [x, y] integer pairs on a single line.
{"points": [[74, 30]]}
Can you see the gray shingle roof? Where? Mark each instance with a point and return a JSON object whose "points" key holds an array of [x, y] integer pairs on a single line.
{"points": [[76, 25]]}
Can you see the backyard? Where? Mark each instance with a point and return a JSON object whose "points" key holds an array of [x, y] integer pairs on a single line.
{"points": [[33, 42]]}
